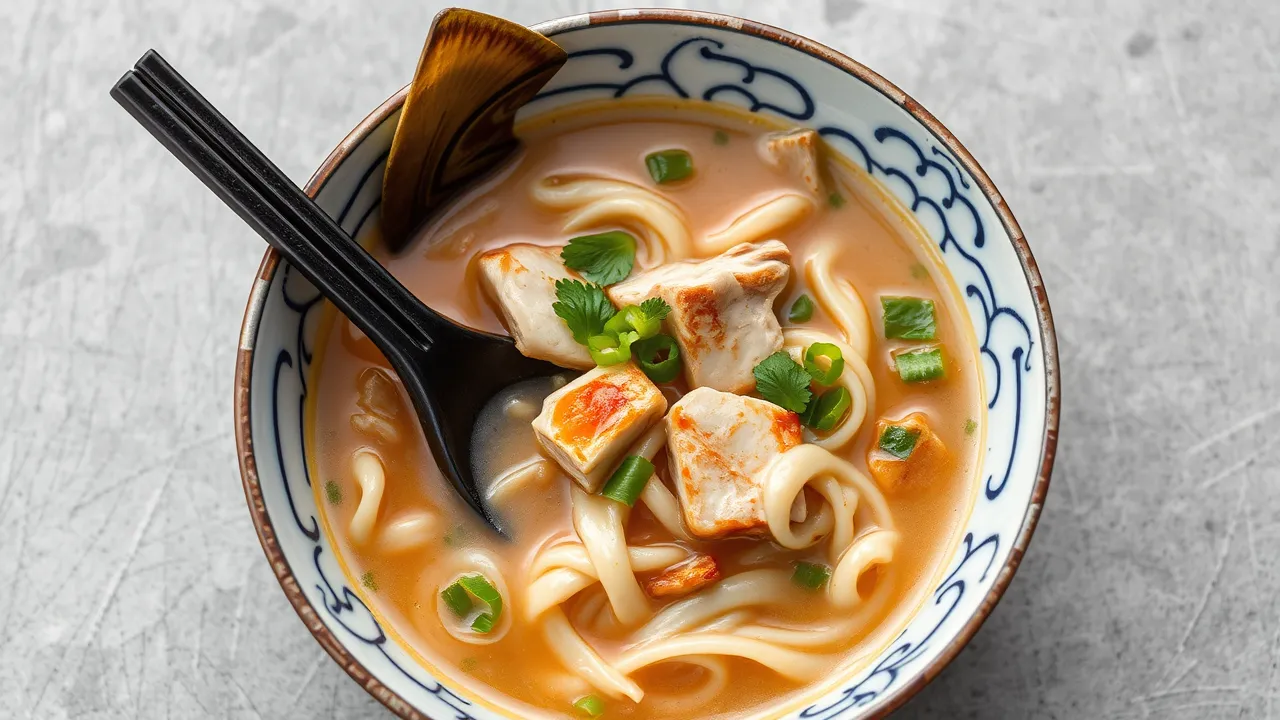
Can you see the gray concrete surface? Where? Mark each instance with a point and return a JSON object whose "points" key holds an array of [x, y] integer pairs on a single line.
{"points": [[1136, 141]]}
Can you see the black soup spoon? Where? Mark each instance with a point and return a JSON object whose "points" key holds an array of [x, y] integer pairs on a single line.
{"points": [[449, 371]]}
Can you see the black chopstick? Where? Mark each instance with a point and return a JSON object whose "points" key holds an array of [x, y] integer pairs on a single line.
{"points": [[276, 188], [227, 177]]}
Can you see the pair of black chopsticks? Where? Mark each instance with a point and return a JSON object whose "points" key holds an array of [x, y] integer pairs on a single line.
{"points": [[195, 132]]}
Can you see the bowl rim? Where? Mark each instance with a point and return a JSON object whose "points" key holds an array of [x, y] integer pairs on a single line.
{"points": [[1044, 319]]}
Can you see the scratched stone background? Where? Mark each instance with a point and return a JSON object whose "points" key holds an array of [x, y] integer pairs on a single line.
{"points": [[1136, 141]]}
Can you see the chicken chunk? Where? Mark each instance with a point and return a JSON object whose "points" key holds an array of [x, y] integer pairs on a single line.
{"points": [[798, 152], [521, 279], [910, 454], [588, 425], [691, 575], [721, 310], [719, 444]]}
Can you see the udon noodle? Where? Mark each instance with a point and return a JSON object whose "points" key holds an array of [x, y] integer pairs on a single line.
{"points": [[683, 599]]}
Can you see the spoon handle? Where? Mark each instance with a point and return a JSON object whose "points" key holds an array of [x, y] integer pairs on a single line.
{"points": [[324, 252]]}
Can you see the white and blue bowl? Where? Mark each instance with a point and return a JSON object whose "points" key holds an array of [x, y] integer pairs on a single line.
{"points": [[763, 69]]}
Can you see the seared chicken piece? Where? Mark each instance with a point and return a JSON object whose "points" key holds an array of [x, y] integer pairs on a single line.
{"points": [[909, 455], [521, 279], [693, 574], [721, 310], [798, 152], [719, 444], [587, 425]]}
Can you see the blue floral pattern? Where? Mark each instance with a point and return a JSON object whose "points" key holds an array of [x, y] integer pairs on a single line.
{"points": [[925, 177]]}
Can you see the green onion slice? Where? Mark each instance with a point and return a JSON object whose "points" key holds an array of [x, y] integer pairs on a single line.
{"points": [[590, 705], [483, 623], [628, 480], [899, 441], [720, 137], [666, 166], [648, 355], [811, 576], [801, 310], [835, 363], [920, 365], [458, 597], [608, 350], [835, 200], [632, 317], [909, 318], [825, 413]]}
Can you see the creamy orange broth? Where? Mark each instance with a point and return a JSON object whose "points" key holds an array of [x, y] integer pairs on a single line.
{"points": [[883, 254]]}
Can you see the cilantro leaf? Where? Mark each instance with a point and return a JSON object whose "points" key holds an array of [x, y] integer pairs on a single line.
{"points": [[606, 258], [783, 382], [583, 307], [899, 441], [655, 308]]}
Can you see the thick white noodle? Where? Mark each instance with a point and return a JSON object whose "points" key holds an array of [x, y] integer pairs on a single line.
{"points": [[716, 679], [791, 664], [579, 657], [599, 522], [762, 222], [595, 202], [534, 471], [371, 478], [846, 490], [562, 571], [856, 378], [410, 531], [746, 589], [838, 297]]}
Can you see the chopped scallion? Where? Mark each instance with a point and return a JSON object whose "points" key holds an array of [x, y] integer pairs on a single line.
{"points": [[801, 310], [666, 166], [590, 705], [811, 576], [720, 138], [920, 365], [649, 355], [835, 200], [456, 599], [899, 441], [369, 581], [908, 318], [833, 367], [483, 623], [825, 413], [628, 480], [478, 586], [609, 350], [969, 426], [645, 319]]}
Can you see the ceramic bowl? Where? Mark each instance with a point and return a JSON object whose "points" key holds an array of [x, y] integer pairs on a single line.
{"points": [[687, 54]]}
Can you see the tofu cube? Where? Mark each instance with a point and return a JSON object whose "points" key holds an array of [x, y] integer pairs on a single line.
{"points": [[588, 425], [927, 458], [721, 310], [719, 444], [521, 280], [799, 153]]}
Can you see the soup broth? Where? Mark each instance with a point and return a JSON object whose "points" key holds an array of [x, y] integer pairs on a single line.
{"points": [[403, 534]]}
